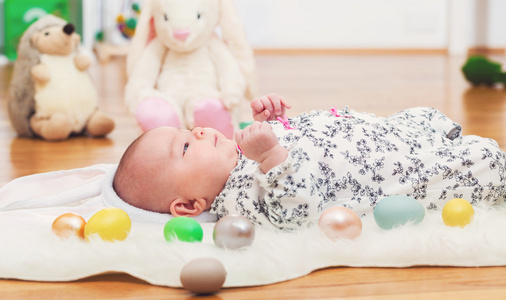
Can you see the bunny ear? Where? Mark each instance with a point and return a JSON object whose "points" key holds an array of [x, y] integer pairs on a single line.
{"points": [[152, 30], [144, 33], [234, 35]]}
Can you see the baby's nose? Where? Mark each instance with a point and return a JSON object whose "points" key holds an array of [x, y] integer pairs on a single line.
{"points": [[198, 132]]}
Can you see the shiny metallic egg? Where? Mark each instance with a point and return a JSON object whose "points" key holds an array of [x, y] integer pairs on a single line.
{"points": [[340, 222], [233, 232]]}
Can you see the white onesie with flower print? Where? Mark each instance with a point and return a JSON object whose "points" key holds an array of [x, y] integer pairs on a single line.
{"points": [[341, 158]]}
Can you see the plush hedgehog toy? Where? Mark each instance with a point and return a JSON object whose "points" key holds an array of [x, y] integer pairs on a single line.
{"points": [[51, 94]]}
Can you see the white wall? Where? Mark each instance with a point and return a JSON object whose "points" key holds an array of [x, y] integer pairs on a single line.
{"points": [[399, 24], [370, 23], [489, 20]]}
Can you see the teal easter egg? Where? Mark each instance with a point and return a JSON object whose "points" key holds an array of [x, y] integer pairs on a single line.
{"points": [[184, 229], [397, 210]]}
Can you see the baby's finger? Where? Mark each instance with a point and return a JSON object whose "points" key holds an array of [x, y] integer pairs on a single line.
{"points": [[266, 114], [267, 103], [257, 105], [285, 103], [276, 103], [267, 127], [247, 131], [262, 116], [255, 125]]}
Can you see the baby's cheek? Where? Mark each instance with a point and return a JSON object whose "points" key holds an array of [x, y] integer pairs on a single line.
{"points": [[208, 162]]}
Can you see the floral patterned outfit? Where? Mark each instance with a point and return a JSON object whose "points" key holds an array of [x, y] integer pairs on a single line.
{"points": [[351, 159]]}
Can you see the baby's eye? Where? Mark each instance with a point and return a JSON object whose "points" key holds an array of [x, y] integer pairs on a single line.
{"points": [[185, 147]]}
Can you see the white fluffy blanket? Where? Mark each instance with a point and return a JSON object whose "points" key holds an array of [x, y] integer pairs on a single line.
{"points": [[37, 254]]}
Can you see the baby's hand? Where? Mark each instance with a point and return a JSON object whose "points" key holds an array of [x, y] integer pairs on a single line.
{"points": [[259, 143], [268, 108]]}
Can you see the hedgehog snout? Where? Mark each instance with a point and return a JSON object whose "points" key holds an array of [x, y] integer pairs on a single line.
{"points": [[69, 28]]}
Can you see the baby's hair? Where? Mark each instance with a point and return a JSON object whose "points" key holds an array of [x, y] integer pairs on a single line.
{"points": [[135, 184], [124, 177]]}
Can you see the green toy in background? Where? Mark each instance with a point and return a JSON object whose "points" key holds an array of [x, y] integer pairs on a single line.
{"points": [[479, 70]]}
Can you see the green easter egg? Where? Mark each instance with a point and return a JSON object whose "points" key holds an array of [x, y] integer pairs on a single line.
{"points": [[184, 229]]}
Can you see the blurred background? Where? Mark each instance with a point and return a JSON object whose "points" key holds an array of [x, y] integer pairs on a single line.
{"points": [[450, 26], [379, 56]]}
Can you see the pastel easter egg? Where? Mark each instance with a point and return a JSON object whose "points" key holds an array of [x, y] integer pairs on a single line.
{"points": [[204, 275], [458, 212], [340, 222], [397, 210], [111, 224]]}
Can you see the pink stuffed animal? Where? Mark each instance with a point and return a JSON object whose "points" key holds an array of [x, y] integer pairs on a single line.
{"points": [[182, 73]]}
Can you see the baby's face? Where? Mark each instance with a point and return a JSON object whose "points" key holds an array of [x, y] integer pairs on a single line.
{"points": [[193, 164]]}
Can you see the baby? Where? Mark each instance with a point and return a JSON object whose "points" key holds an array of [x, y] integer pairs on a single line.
{"points": [[286, 172]]}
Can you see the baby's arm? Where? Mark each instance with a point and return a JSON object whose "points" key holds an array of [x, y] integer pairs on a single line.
{"points": [[259, 143], [268, 108]]}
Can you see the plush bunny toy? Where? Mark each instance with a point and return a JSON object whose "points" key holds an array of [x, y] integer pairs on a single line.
{"points": [[182, 73]]}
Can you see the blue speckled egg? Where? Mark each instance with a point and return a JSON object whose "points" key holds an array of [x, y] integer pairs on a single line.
{"points": [[397, 210]]}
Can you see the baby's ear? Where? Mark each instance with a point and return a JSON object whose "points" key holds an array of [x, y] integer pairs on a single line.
{"points": [[187, 207]]}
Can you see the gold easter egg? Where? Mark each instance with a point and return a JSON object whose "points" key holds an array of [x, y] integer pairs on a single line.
{"points": [[68, 225]]}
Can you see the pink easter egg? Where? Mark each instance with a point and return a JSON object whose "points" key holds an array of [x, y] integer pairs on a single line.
{"points": [[340, 222]]}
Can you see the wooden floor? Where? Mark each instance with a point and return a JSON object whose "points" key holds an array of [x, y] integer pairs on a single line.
{"points": [[381, 84]]}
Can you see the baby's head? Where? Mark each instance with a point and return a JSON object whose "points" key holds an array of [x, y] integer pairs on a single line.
{"points": [[170, 170]]}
